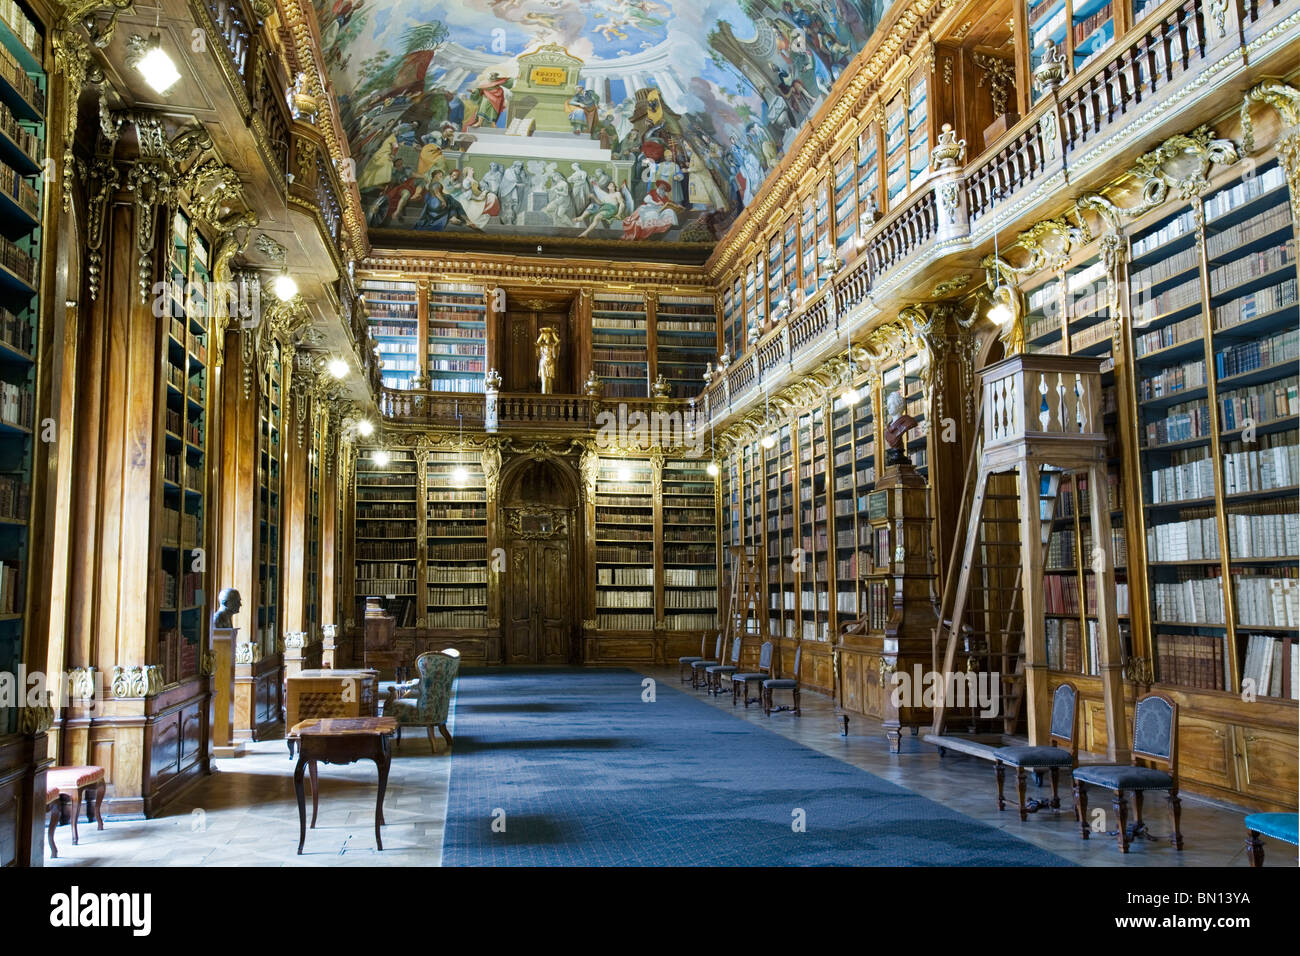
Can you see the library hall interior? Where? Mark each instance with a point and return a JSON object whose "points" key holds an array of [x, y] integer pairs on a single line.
{"points": [[747, 433]]}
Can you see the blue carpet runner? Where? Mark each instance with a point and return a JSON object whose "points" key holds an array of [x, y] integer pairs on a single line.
{"points": [[589, 775]]}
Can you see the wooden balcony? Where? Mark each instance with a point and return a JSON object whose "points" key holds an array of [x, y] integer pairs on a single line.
{"points": [[1091, 121]]}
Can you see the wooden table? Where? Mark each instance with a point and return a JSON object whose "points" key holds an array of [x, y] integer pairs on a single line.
{"points": [[340, 740], [330, 693]]}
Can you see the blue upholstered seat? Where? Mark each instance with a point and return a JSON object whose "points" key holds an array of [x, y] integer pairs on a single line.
{"points": [[1279, 826], [702, 664], [750, 676], [1033, 756], [721, 669], [1118, 777], [688, 660], [780, 683]]}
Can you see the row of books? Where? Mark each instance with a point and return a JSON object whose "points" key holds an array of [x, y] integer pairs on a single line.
{"points": [[1257, 303], [625, 599], [1251, 266], [1174, 378], [624, 622], [456, 575], [628, 577], [1248, 356], [15, 331], [1089, 25], [613, 555], [1184, 330], [1265, 601], [15, 497], [1191, 660], [22, 26], [384, 529], [450, 332], [1182, 422], [1273, 664], [1262, 224], [1275, 535], [1277, 465], [455, 365], [387, 510], [460, 551], [17, 187], [690, 622], [463, 618], [18, 78], [1142, 279], [1190, 539], [440, 596], [447, 349], [385, 550], [1065, 647], [1257, 404], [11, 598], [690, 600], [18, 261], [1179, 226], [384, 569], [1196, 600], [369, 587], [1244, 191], [179, 528]]}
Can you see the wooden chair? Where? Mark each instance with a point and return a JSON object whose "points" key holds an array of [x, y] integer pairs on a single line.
{"points": [[1065, 722], [740, 682], [715, 673], [684, 663], [72, 783], [1277, 826], [1155, 738], [783, 683], [699, 668]]}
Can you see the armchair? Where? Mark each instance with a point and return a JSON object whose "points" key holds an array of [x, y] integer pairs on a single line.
{"points": [[426, 700]]}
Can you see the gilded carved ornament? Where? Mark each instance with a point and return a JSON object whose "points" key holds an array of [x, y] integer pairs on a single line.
{"points": [[1285, 99]]}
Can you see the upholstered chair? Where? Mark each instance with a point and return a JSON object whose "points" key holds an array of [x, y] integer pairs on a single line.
{"points": [[1062, 751], [740, 682], [784, 683], [426, 700], [717, 672], [684, 664], [1277, 826], [1155, 739], [699, 669]]}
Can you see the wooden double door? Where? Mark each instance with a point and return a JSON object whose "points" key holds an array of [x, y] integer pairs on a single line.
{"points": [[541, 600]]}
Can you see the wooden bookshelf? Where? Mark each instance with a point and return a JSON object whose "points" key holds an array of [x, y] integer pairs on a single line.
{"points": [[393, 318], [686, 340], [456, 572], [23, 85], [271, 487], [619, 344], [625, 545], [387, 532], [455, 352], [689, 579]]}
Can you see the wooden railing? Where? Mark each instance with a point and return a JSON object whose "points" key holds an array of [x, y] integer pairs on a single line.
{"points": [[232, 21], [1041, 396], [1022, 161], [905, 233], [529, 412]]}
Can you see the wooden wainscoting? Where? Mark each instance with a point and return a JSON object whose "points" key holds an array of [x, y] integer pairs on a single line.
{"points": [[1228, 749]]}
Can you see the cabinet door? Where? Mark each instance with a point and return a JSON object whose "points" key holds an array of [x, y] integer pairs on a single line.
{"points": [[1266, 764], [1204, 754]]}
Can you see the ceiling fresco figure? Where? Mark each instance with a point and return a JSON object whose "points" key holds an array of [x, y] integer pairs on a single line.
{"points": [[617, 120]]}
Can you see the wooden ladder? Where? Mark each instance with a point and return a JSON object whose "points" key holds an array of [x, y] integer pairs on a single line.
{"points": [[981, 613], [744, 605]]}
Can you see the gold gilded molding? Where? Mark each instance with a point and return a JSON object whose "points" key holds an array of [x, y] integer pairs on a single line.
{"points": [[1285, 99]]}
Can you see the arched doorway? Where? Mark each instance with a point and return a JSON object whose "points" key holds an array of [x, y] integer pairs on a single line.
{"points": [[540, 593]]}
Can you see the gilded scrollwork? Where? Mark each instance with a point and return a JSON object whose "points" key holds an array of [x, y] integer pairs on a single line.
{"points": [[1285, 99]]}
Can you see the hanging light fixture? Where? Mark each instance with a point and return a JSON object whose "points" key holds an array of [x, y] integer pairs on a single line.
{"points": [[152, 62], [284, 286], [380, 458], [338, 368], [999, 312], [365, 428], [624, 473]]}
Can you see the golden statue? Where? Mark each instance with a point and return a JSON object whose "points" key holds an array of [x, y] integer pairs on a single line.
{"points": [[548, 354]]}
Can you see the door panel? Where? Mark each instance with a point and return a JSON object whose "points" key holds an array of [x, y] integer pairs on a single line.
{"points": [[519, 625], [556, 601]]}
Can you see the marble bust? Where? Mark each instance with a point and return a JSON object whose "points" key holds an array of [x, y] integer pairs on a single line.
{"points": [[230, 605], [896, 431]]}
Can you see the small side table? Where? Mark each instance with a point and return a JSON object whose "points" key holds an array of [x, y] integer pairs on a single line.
{"points": [[340, 740]]}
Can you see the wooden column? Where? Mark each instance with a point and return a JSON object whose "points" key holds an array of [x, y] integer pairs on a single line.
{"points": [[327, 507], [295, 439], [1038, 698], [240, 504], [1111, 656]]}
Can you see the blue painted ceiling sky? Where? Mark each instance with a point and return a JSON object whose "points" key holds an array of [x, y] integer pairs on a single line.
{"points": [[678, 113]]}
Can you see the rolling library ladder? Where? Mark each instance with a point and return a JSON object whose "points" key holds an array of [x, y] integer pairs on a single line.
{"points": [[744, 604], [1041, 417]]}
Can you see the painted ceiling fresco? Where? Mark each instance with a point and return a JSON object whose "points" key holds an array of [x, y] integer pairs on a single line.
{"points": [[624, 120]]}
